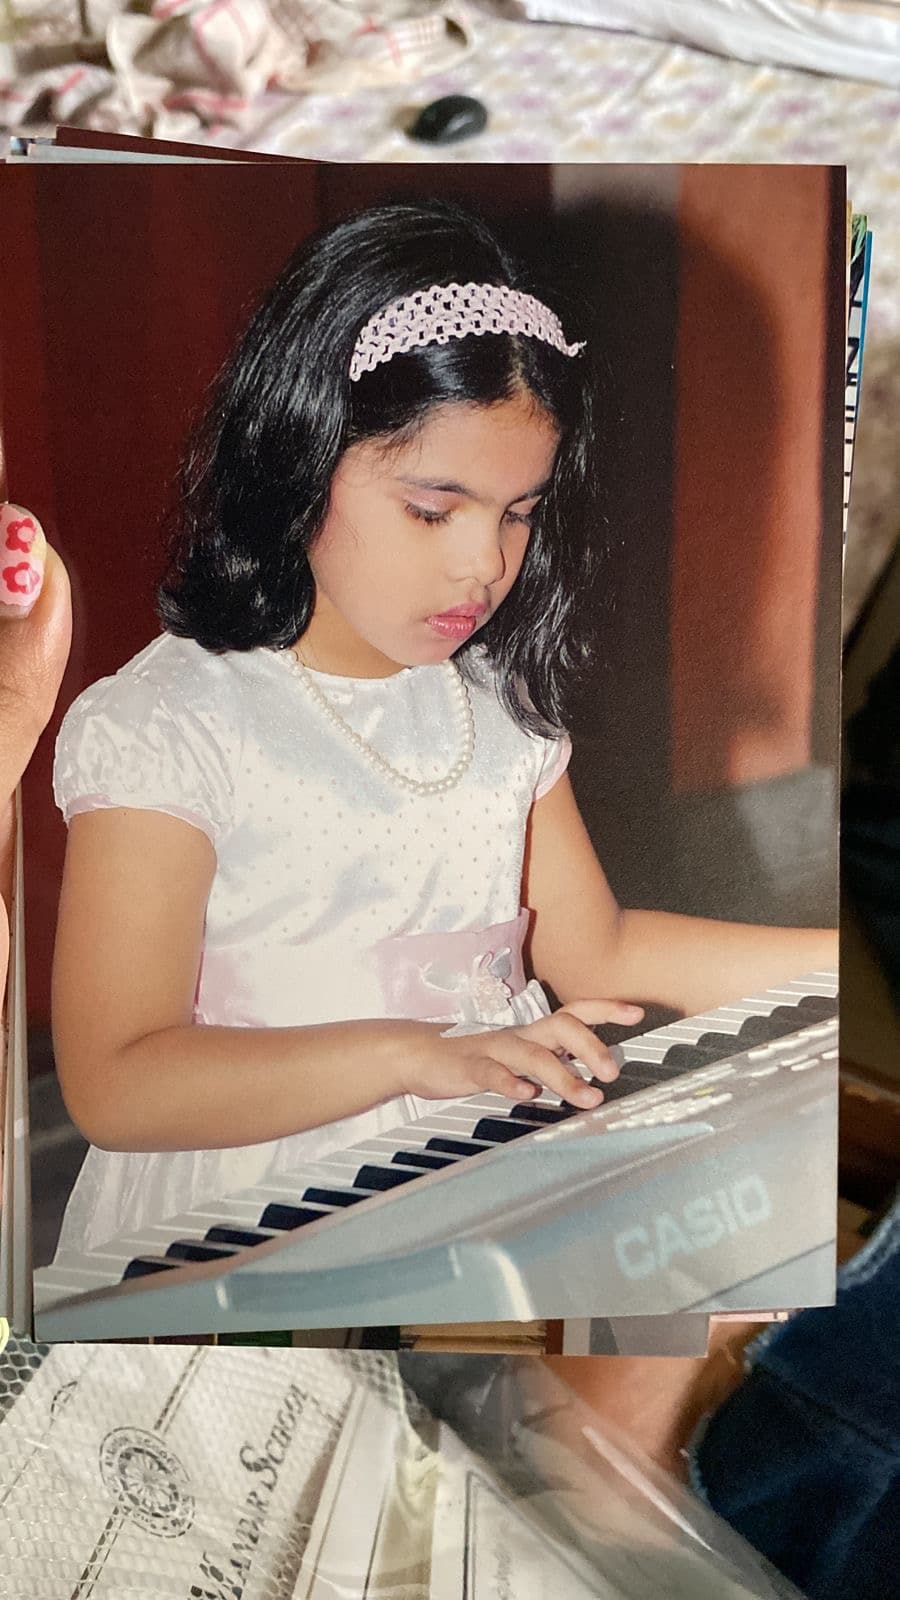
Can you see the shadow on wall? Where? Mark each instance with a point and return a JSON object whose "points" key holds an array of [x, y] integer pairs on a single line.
{"points": [[703, 643]]}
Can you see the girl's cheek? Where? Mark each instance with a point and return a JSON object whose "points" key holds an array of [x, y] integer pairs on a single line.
{"points": [[515, 553]]}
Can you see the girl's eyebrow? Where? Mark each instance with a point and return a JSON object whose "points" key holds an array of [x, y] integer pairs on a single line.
{"points": [[460, 488]]}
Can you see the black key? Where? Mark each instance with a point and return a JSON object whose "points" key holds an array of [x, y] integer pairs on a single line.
{"points": [[455, 1147], [635, 1075], [721, 1044], [330, 1197], [419, 1158], [817, 1007], [760, 1030], [782, 1021], [143, 1266], [709, 1048], [500, 1130], [686, 1058], [236, 1236], [281, 1217], [196, 1250], [532, 1113], [383, 1177]]}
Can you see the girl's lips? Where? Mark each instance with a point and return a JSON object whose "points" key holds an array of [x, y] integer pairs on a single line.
{"points": [[452, 625]]}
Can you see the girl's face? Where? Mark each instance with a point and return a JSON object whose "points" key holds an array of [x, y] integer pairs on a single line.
{"points": [[421, 545]]}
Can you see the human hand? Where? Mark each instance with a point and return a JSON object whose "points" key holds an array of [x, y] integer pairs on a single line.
{"points": [[35, 635], [517, 1061]]}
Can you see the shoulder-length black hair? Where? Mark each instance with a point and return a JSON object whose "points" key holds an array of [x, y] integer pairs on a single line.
{"points": [[254, 485]]}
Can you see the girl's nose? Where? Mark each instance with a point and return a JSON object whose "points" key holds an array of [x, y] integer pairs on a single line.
{"points": [[483, 556]]}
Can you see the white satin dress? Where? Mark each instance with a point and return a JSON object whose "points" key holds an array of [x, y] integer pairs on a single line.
{"points": [[337, 895]]}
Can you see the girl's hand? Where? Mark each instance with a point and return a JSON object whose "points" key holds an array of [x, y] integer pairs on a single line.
{"points": [[518, 1061], [35, 633]]}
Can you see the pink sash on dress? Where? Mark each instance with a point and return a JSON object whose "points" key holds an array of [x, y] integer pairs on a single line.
{"points": [[464, 977]]}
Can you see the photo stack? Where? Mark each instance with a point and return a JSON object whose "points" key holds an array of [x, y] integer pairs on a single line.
{"points": [[424, 893]]}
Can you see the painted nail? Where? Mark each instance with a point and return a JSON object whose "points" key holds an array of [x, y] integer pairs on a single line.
{"points": [[23, 550]]}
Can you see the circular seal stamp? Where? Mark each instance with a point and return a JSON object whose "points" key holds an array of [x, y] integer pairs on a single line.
{"points": [[148, 1481]]}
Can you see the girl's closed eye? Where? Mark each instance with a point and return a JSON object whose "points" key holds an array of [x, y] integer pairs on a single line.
{"points": [[425, 514]]}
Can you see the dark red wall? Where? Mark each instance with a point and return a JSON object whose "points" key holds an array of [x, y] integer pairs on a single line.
{"points": [[122, 288]]}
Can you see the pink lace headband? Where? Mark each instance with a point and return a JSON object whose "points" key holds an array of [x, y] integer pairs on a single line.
{"points": [[451, 311]]}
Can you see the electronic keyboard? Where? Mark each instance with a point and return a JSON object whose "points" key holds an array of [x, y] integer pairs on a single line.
{"points": [[705, 1181]]}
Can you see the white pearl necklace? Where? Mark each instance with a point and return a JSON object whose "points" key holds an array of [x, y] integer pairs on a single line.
{"points": [[463, 709]]}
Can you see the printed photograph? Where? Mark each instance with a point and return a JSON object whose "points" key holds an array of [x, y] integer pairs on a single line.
{"points": [[430, 875]]}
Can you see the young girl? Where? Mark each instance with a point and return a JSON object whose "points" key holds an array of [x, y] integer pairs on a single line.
{"points": [[313, 822]]}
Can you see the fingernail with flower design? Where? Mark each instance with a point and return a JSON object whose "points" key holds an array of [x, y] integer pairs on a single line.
{"points": [[23, 550]]}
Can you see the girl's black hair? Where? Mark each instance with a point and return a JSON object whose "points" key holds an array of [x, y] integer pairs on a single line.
{"points": [[255, 481]]}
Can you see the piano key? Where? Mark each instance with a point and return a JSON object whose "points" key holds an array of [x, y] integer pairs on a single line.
{"points": [[248, 1237], [530, 1111], [497, 1131], [629, 1087], [724, 1034], [456, 1147], [419, 1158], [81, 1274], [689, 1030], [709, 1049], [334, 1170], [500, 1102], [141, 1249], [824, 984], [449, 1122], [197, 1250], [116, 1255], [294, 1186], [644, 1049], [381, 1178], [282, 1217], [142, 1267], [332, 1198], [414, 1135]]}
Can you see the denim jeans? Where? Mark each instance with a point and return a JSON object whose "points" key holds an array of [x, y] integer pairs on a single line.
{"points": [[804, 1459]]}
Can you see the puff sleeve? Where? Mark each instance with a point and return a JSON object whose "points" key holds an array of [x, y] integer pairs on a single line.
{"points": [[556, 756], [127, 742]]}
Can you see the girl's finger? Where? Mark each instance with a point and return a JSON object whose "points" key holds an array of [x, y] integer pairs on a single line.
{"points": [[529, 1059], [494, 1077], [562, 1031], [594, 1012]]}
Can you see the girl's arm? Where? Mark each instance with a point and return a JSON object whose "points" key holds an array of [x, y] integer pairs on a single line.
{"points": [[583, 943], [138, 1074]]}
